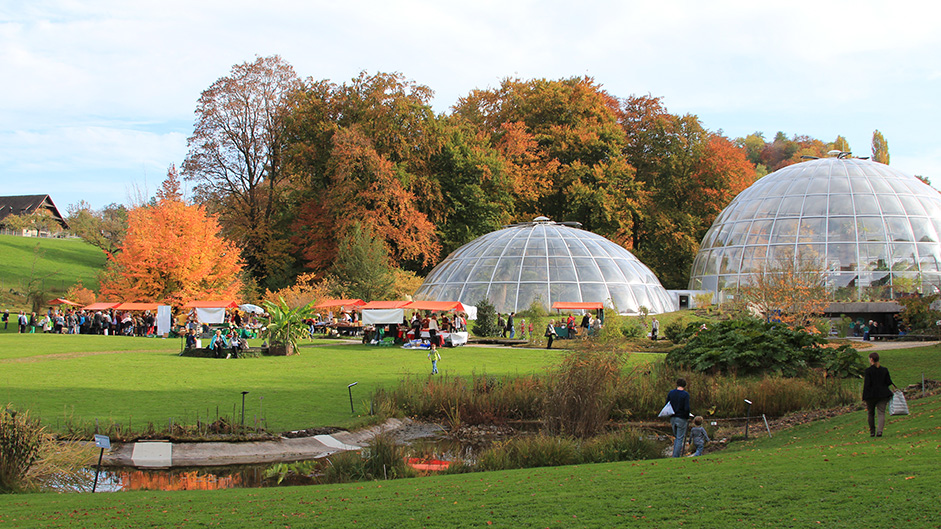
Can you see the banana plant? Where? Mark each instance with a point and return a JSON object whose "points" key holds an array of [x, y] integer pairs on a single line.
{"points": [[286, 326]]}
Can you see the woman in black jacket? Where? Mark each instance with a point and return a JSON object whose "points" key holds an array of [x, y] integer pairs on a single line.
{"points": [[876, 393]]}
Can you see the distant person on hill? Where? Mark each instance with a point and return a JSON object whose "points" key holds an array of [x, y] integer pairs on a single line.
{"points": [[23, 322], [6, 318], [876, 393], [679, 399]]}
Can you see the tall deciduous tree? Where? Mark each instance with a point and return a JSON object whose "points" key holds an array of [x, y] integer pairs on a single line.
{"points": [[880, 148], [236, 158], [173, 254]]}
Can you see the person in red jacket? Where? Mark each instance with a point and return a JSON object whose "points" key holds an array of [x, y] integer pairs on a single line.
{"points": [[876, 393]]}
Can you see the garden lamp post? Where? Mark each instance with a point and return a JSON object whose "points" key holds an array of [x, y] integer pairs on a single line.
{"points": [[243, 408], [350, 388], [747, 416]]}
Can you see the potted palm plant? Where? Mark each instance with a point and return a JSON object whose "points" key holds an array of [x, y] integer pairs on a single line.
{"points": [[286, 326]]}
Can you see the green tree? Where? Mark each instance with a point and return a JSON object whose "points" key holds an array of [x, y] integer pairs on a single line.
{"points": [[103, 228], [880, 148], [362, 265]]}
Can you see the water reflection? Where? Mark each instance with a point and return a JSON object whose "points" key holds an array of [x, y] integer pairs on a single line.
{"points": [[125, 479]]}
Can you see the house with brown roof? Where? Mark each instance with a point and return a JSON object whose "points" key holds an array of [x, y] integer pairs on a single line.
{"points": [[21, 205]]}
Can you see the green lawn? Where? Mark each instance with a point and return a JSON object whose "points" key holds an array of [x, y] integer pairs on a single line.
{"points": [[61, 261], [829, 473], [141, 380]]}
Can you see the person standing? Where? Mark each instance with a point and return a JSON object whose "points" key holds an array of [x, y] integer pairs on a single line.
{"points": [[679, 399], [501, 325], [654, 329], [434, 356], [876, 393], [698, 436], [23, 321], [510, 326], [433, 332], [550, 333], [6, 318]]}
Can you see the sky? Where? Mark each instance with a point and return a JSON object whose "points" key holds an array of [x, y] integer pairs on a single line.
{"points": [[97, 97]]}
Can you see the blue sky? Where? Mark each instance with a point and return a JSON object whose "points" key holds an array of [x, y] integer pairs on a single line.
{"points": [[97, 97]]}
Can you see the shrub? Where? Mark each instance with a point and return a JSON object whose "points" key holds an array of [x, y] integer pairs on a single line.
{"points": [[750, 346], [527, 452], [674, 330], [624, 445], [630, 329], [843, 326], [843, 362], [486, 324], [381, 459], [581, 393], [20, 441]]}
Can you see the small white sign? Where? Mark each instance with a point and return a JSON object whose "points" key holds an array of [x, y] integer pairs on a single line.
{"points": [[103, 441]]}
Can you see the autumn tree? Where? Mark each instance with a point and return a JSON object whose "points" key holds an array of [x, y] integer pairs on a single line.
{"points": [[362, 265], [172, 253], [840, 144], [104, 228], [688, 175], [880, 148], [236, 159], [360, 152], [792, 289]]}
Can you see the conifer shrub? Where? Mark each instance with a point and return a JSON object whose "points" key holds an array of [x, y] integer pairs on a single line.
{"points": [[486, 324]]}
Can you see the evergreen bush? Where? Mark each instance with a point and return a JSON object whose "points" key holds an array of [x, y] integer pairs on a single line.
{"points": [[486, 324]]}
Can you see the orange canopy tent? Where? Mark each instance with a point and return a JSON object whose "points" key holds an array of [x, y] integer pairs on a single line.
{"points": [[101, 306], [330, 303], [137, 306], [572, 305], [211, 305], [61, 301], [435, 305], [385, 305]]}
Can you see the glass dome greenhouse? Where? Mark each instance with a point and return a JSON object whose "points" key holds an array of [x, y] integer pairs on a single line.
{"points": [[872, 230], [547, 262]]}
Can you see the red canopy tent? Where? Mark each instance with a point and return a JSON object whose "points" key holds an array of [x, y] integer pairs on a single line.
{"points": [[211, 305], [101, 306], [385, 305], [62, 301], [435, 305], [572, 305], [137, 306], [330, 303]]}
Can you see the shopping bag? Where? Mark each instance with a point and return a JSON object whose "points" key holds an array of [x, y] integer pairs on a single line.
{"points": [[667, 411], [898, 406]]}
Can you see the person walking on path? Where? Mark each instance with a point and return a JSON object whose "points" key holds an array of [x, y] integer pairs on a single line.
{"points": [[654, 329], [679, 399], [550, 333], [510, 325], [434, 356], [876, 393]]}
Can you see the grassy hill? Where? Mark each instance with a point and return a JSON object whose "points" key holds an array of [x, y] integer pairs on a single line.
{"points": [[56, 264]]}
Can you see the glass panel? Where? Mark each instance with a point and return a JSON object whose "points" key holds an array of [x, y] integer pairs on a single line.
{"points": [[622, 297], [791, 206], [535, 247], [890, 205], [813, 229], [632, 269], [712, 262], [841, 229], [860, 185], [932, 206], [640, 296], [474, 292], [903, 257], [515, 248], [873, 257], [561, 269], [911, 205], [760, 232], [929, 257], [898, 185], [594, 292], [768, 208], [899, 229], [530, 292], [563, 292], [880, 187], [738, 234], [483, 271], [867, 205], [870, 229], [785, 230], [586, 269], [731, 261], [610, 271], [841, 257], [811, 256], [576, 247], [841, 206], [508, 269], [798, 186], [462, 269], [839, 185], [780, 255], [815, 205], [534, 269]]}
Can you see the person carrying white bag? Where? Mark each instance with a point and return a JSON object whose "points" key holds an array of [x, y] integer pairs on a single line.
{"points": [[876, 393]]}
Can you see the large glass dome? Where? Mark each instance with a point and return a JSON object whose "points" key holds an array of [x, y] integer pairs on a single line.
{"points": [[549, 262], [871, 229]]}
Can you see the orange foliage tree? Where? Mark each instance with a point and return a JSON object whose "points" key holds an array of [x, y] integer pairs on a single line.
{"points": [[172, 254]]}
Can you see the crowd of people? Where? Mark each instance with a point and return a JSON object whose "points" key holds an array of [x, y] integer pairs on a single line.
{"points": [[80, 321]]}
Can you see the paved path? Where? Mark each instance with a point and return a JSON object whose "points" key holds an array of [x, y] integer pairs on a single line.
{"points": [[164, 454]]}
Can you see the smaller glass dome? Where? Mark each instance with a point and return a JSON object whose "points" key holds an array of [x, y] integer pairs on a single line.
{"points": [[549, 262]]}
